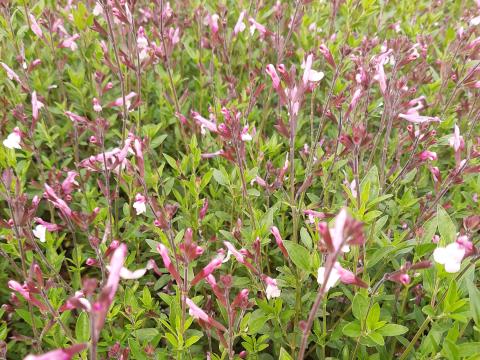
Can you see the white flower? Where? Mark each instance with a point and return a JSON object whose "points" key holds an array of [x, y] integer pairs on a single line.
{"points": [[332, 279], [475, 21], [451, 256], [272, 291], [40, 232], [13, 140], [97, 10], [140, 204]]}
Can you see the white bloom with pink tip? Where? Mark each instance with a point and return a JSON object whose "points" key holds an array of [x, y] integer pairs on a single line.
{"points": [[452, 255]]}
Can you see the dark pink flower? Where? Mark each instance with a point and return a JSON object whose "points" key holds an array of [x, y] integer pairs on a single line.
{"points": [[278, 238]]}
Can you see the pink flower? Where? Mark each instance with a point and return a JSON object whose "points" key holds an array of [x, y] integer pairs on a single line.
{"points": [[427, 155], [204, 123], [189, 249], [240, 25], [272, 290], [140, 204], [327, 55], [35, 27], [270, 70], [97, 107], [70, 42], [456, 141], [418, 119], [207, 270], [25, 292], [312, 215], [57, 202], [217, 290], [119, 101], [338, 273], [78, 301], [381, 60], [76, 118], [168, 263], [203, 210], [254, 25], [69, 183], [127, 274], [238, 255], [199, 314], [241, 300], [36, 106], [309, 74], [12, 75], [278, 238], [101, 306], [59, 354]]}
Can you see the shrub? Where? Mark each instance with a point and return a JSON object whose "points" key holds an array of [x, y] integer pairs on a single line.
{"points": [[253, 180]]}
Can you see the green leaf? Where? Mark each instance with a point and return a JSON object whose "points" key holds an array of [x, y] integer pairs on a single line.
{"points": [[376, 338], [284, 355], [299, 255], [373, 316], [352, 329], [82, 327], [136, 350], [146, 335], [219, 177], [360, 306], [474, 295], [446, 227], [305, 237], [392, 330]]}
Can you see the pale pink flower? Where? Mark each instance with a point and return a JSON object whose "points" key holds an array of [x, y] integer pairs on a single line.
{"points": [[309, 74], [204, 123], [456, 141], [59, 354], [338, 273], [238, 255], [240, 25], [101, 306], [70, 43], [97, 107], [270, 70], [40, 232], [140, 204], [35, 27], [119, 101], [98, 9], [69, 183], [272, 290], [13, 139], [36, 106], [312, 215], [199, 314], [418, 119], [75, 118], [254, 25], [12, 75]]}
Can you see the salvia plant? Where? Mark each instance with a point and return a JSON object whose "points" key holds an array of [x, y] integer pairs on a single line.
{"points": [[226, 179]]}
